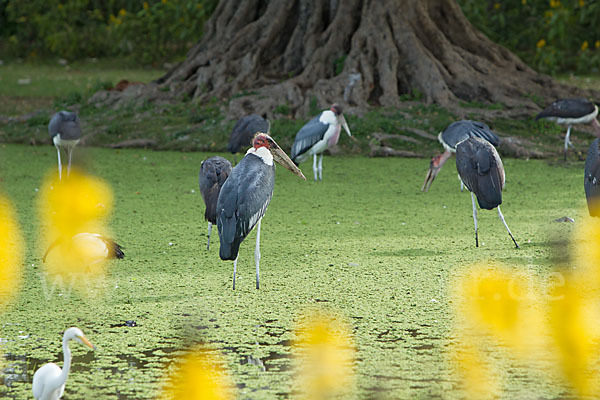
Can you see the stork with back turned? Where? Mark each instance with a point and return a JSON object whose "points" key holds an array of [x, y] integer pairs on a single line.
{"points": [[571, 112], [591, 181], [213, 174], [317, 135], [480, 169], [244, 130], [244, 198], [455, 133], [65, 130]]}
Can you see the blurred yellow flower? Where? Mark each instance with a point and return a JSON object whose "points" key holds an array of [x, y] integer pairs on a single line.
{"points": [[77, 204], [597, 44], [122, 12], [11, 252], [480, 381], [146, 6], [581, 3], [524, 2], [163, 1], [197, 376], [541, 43], [548, 14], [496, 6], [326, 357], [554, 3], [584, 45]]}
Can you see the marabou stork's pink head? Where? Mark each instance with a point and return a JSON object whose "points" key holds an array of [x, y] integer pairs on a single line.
{"points": [[434, 168], [337, 110], [264, 140]]}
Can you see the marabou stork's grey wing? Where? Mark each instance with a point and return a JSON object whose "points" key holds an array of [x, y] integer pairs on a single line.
{"points": [[567, 108], [307, 136], [67, 124], [244, 130], [592, 178], [479, 169], [458, 131], [483, 131], [213, 174]]}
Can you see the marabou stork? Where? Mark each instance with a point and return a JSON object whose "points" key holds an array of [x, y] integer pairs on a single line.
{"points": [[213, 173], [245, 196], [244, 130], [455, 133], [98, 247], [570, 112], [317, 135], [480, 169], [592, 179], [65, 131]]}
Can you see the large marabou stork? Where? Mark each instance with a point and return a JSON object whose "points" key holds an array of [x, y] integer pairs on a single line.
{"points": [[213, 174], [571, 112], [65, 131], [245, 196], [317, 135], [455, 133], [481, 170], [244, 130], [591, 182]]}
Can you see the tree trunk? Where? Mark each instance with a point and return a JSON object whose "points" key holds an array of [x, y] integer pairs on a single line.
{"points": [[263, 54]]}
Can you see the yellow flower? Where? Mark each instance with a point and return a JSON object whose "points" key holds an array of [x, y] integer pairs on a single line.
{"points": [[479, 378], [554, 3], [11, 252], [326, 354], [163, 1], [122, 12], [597, 44], [77, 204], [524, 2], [496, 6], [197, 376], [548, 14], [581, 3], [146, 6], [584, 45], [541, 43]]}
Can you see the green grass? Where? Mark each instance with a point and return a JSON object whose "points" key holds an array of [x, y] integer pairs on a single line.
{"points": [[365, 243]]}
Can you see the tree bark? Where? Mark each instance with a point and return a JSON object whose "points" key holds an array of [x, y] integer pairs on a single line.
{"points": [[262, 54]]}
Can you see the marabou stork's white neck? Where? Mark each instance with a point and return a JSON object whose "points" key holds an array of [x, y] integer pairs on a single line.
{"points": [[262, 152]]}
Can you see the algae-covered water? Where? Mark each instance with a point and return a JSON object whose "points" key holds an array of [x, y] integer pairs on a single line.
{"points": [[365, 244]]}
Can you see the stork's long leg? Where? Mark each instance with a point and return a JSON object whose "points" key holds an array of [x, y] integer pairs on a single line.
{"points": [[506, 226], [234, 271], [321, 167], [315, 166], [462, 185], [59, 163], [209, 230], [475, 220], [69, 153], [567, 141], [257, 254]]}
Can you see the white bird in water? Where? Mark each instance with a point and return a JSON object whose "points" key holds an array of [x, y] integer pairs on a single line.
{"points": [[65, 131], [49, 381]]}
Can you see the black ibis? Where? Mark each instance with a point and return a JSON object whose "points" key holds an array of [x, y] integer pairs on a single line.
{"points": [[98, 247], [571, 112], [317, 135], [455, 133], [480, 169], [65, 131], [213, 173], [592, 179], [245, 196], [244, 130]]}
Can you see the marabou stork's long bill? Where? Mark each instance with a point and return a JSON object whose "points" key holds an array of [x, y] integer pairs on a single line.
{"points": [[245, 196], [65, 131], [244, 130], [592, 179], [213, 173], [571, 112], [319, 134], [481, 170], [455, 133]]}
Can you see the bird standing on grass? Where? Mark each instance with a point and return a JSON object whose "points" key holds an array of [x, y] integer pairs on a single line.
{"points": [[319, 134], [49, 381], [591, 181], [244, 130], [245, 196], [213, 174], [65, 131], [455, 133], [481, 170], [571, 112]]}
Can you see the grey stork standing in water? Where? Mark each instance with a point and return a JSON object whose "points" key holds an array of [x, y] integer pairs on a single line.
{"points": [[244, 130], [213, 173], [320, 133], [592, 179], [455, 133], [570, 112], [481, 170], [65, 131], [245, 196]]}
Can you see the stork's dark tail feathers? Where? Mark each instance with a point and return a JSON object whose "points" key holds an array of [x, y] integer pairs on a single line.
{"points": [[117, 250]]}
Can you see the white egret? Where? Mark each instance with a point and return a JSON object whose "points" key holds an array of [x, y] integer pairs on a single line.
{"points": [[49, 381]]}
